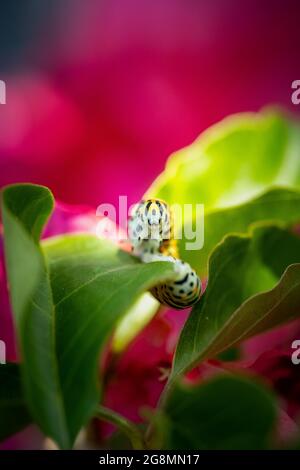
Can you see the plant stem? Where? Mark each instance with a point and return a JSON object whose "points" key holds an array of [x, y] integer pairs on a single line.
{"points": [[160, 405], [129, 428]]}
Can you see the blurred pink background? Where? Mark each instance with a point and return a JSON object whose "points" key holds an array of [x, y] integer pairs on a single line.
{"points": [[99, 93]]}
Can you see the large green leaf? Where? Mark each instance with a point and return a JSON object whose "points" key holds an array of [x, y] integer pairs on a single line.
{"points": [[93, 284], [67, 297], [234, 162], [244, 295], [223, 413], [25, 209], [281, 205], [14, 415]]}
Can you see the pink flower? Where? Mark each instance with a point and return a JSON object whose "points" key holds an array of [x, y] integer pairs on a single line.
{"points": [[283, 376], [123, 84], [140, 371]]}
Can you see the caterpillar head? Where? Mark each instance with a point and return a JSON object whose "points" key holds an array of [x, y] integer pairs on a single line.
{"points": [[150, 222]]}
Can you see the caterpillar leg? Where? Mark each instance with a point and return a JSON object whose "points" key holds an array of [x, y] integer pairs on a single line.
{"points": [[169, 248], [147, 257]]}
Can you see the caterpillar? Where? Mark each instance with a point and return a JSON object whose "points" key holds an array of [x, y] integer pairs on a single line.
{"points": [[150, 231]]}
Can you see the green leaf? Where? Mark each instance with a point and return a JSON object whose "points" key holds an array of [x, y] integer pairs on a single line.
{"points": [[13, 410], [229, 168], [139, 315], [67, 297], [93, 285], [230, 355], [224, 413], [124, 425], [276, 205], [243, 296], [26, 209], [233, 161]]}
